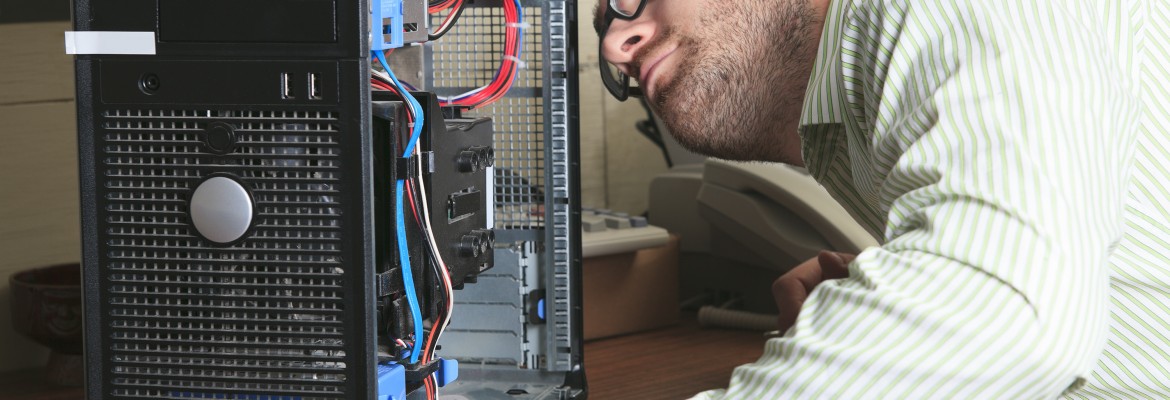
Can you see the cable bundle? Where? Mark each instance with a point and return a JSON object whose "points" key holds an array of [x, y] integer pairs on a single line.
{"points": [[440, 322], [506, 75], [415, 191], [415, 113], [438, 6], [420, 348], [448, 22]]}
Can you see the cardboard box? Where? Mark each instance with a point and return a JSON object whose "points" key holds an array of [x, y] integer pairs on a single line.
{"points": [[631, 292]]}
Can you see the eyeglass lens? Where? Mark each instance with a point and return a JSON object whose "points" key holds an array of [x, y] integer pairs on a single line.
{"points": [[626, 8]]}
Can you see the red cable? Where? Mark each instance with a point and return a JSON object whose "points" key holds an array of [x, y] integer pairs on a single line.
{"points": [[450, 15], [440, 7], [382, 85], [426, 355], [504, 80], [410, 199]]}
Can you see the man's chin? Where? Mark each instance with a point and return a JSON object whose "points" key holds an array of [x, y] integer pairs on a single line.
{"points": [[704, 141], [702, 132]]}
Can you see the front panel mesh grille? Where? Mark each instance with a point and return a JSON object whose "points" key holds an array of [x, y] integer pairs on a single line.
{"points": [[189, 319]]}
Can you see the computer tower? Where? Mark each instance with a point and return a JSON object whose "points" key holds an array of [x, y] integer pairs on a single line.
{"points": [[262, 109], [281, 305]]}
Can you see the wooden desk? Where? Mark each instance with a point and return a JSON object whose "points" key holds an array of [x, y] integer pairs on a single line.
{"points": [[671, 363]]}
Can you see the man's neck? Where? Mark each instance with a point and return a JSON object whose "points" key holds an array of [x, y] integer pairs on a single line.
{"points": [[821, 8]]}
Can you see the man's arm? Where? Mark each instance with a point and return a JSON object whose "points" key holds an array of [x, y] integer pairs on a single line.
{"points": [[792, 288], [1000, 148]]}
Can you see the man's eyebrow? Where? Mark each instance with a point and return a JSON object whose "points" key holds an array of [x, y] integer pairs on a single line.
{"points": [[598, 14]]}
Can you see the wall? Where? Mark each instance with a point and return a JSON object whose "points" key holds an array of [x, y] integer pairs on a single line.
{"points": [[617, 163], [39, 216], [593, 115]]}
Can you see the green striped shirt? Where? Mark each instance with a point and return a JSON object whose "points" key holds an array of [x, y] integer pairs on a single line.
{"points": [[1012, 157]]}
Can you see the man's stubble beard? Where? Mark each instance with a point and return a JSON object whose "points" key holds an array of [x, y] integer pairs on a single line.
{"points": [[738, 91]]}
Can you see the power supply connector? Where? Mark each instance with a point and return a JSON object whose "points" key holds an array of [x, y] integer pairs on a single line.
{"points": [[385, 24], [396, 380]]}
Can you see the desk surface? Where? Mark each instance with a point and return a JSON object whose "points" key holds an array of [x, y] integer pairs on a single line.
{"points": [[671, 363]]}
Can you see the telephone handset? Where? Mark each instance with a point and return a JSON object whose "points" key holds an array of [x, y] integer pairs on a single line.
{"points": [[776, 211]]}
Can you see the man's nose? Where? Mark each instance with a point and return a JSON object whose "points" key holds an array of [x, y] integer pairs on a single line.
{"points": [[624, 39]]}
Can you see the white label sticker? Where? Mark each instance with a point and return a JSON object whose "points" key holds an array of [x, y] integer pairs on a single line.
{"points": [[93, 42], [491, 197]]}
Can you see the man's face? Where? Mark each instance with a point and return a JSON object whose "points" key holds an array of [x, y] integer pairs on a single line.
{"points": [[726, 76]]}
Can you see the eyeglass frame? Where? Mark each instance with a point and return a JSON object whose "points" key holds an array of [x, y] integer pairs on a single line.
{"points": [[619, 88]]}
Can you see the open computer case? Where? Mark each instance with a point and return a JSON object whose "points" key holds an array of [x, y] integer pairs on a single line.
{"points": [[263, 109]]}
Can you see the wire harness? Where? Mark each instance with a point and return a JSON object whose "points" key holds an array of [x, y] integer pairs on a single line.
{"points": [[510, 63]]}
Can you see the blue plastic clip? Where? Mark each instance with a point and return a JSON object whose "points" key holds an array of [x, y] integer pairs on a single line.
{"points": [[386, 20], [448, 372], [392, 378], [391, 381]]}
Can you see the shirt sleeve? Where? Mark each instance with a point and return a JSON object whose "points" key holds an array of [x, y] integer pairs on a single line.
{"points": [[996, 137]]}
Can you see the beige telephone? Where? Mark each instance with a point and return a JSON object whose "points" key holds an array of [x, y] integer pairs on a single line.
{"points": [[776, 213], [768, 215]]}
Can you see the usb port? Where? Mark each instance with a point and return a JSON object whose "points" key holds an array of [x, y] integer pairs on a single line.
{"points": [[286, 91], [314, 89]]}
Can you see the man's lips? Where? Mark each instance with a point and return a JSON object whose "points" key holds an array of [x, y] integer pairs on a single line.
{"points": [[647, 73]]}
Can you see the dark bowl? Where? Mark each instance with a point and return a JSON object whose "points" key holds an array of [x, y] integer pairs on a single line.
{"points": [[46, 306]]}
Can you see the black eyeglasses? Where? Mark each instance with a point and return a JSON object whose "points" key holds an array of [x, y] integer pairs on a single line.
{"points": [[615, 81]]}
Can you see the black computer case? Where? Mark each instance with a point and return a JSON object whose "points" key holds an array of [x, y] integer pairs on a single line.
{"points": [[287, 310], [273, 98]]}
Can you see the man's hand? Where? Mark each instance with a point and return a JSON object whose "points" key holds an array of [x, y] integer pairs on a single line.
{"points": [[792, 288]]}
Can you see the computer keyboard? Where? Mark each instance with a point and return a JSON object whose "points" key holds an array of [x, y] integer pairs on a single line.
{"points": [[604, 232]]}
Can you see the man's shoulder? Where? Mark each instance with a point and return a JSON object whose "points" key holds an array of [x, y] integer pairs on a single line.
{"points": [[879, 31], [928, 15]]}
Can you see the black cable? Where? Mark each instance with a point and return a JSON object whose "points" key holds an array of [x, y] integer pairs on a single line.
{"points": [[458, 11], [379, 78], [434, 257]]}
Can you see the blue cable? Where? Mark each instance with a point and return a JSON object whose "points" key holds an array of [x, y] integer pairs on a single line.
{"points": [[519, 30], [400, 218], [411, 102], [407, 276], [399, 214]]}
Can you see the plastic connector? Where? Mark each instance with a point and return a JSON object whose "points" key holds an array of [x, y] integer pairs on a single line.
{"points": [[392, 377], [391, 381], [385, 24], [448, 372]]}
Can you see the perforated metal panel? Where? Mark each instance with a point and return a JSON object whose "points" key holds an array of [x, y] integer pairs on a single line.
{"points": [[468, 57], [536, 189], [191, 319]]}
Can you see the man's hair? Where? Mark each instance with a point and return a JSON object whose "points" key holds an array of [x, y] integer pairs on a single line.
{"points": [[599, 15]]}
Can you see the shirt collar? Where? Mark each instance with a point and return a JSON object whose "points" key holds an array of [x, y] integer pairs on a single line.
{"points": [[822, 100]]}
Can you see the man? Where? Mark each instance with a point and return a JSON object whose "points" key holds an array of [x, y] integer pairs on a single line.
{"points": [[1008, 154]]}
